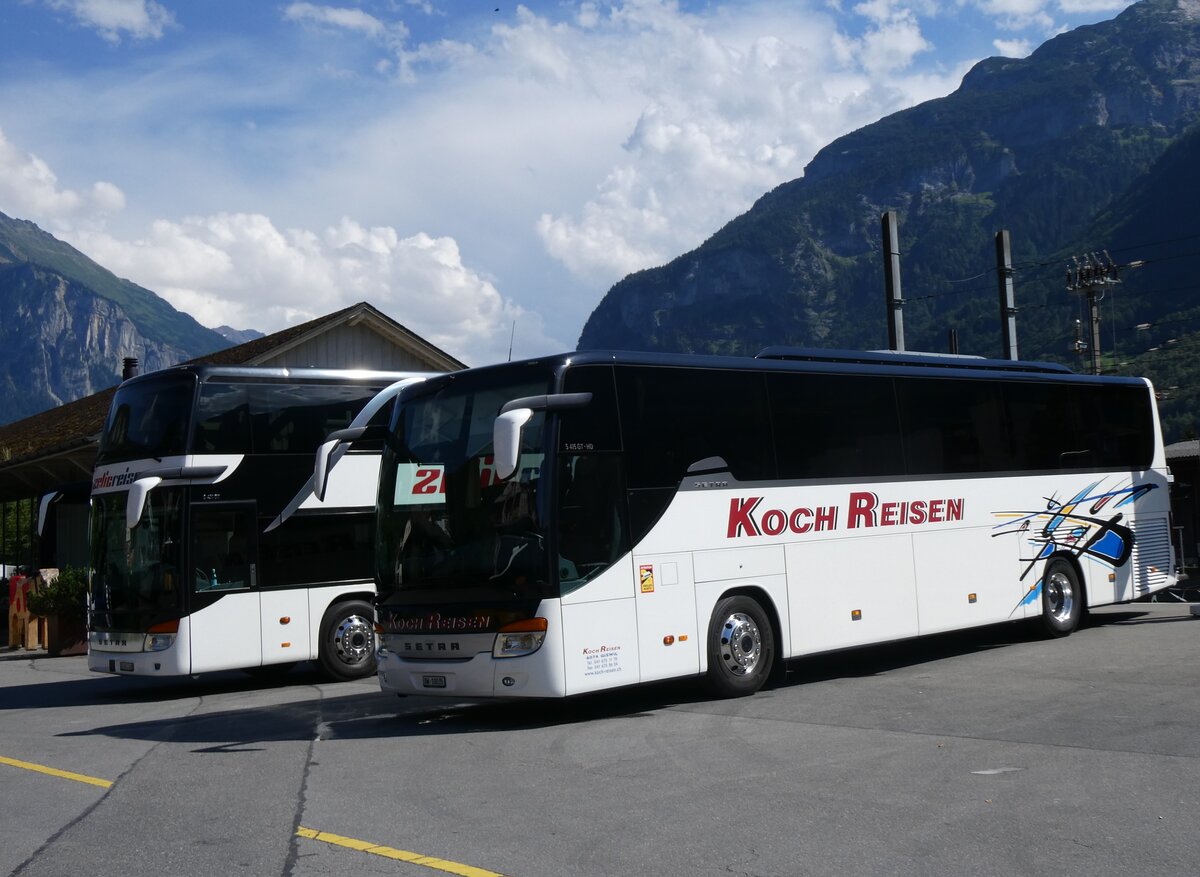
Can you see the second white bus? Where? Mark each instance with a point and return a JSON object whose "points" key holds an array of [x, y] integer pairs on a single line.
{"points": [[592, 520]]}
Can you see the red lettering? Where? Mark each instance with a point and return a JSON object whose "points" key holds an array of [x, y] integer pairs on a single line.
{"points": [[774, 522], [794, 523], [862, 510], [426, 482], [888, 515], [827, 518], [916, 512], [954, 509], [937, 511], [741, 517]]}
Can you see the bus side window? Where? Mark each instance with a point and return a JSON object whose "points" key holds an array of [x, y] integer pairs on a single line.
{"points": [[222, 420], [672, 418], [223, 549], [592, 533], [832, 426]]}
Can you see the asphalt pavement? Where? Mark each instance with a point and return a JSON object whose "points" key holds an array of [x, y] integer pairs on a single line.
{"points": [[993, 751]]}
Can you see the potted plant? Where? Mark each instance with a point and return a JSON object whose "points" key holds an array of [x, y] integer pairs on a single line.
{"points": [[62, 601]]}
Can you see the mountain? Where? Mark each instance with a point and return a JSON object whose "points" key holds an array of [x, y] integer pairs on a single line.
{"points": [[66, 324], [238, 336], [1085, 145]]}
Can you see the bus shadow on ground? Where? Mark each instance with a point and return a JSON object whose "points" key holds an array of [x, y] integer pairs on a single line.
{"points": [[375, 715], [100, 690]]}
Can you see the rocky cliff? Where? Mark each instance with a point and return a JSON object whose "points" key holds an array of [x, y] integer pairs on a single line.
{"points": [[66, 324]]}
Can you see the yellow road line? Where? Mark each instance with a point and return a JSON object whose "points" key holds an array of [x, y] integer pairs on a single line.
{"points": [[54, 772], [393, 853]]}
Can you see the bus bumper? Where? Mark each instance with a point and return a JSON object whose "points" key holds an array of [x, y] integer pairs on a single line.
{"points": [[480, 676], [124, 655]]}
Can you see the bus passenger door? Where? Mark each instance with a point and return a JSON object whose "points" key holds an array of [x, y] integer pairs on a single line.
{"points": [[225, 628], [668, 642]]}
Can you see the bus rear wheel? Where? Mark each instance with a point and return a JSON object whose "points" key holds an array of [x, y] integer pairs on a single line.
{"points": [[741, 647], [347, 648], [1062, 598]]}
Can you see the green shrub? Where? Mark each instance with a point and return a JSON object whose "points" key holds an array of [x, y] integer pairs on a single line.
{"points": [[65, 597]]}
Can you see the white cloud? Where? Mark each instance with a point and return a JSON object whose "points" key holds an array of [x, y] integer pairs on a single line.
{"points": [[1076, 7], [240, 270], [540, 160], [1013, 48], [345, 18], [112, 19], [1016, 15], [729, 108], [28, 187]]}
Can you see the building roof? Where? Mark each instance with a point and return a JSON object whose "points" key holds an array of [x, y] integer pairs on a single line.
{"points": [[58, 447], [1183, 450]]}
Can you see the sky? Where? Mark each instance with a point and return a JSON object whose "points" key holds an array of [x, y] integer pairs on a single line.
{"points": [[482, 172]]}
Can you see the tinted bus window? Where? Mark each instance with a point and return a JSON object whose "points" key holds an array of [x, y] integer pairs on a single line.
{"points": [[834, 426], [1080, 426], [1122, 417], [953, 426], [222, 419], [595, 426], [295, 419], [148, 419], [1042, 420], [672, 418], [315, 549]]}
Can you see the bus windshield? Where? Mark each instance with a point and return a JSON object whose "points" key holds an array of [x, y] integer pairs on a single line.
{"points": [[136, 579], [148, 418], [448, 527]]}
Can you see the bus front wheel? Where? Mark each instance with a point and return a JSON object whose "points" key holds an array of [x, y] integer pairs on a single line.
{"points": [[347, 649], [741, 647], [1062, 598]]}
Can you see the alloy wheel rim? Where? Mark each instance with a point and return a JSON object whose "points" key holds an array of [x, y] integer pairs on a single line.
{"points": [[741, 644], [1061, 596], [353, 640]]}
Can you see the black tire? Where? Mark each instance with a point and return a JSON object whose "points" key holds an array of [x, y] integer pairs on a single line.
{"points": [[741, 647], [347, 647], [1062, 598]]}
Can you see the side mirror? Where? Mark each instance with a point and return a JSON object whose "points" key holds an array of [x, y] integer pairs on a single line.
{"points": [[331, 449], [506, 431], [135, 503], [506, 440], [44, 509], [325, 459]]}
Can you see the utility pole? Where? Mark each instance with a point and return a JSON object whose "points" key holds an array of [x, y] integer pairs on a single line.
{"points": [[893, 298], [1088, 274], [1008, 308]]}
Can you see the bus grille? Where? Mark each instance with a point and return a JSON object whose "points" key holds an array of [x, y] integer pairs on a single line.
{"points": [[1151, 556]]}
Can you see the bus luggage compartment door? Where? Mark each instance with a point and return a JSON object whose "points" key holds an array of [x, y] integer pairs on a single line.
{"points": [[848, 592], [285, 628], [668, 641]]}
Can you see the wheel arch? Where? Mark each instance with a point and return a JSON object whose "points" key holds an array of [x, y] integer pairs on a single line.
{"points": [[1071, 560], [762, 596]]}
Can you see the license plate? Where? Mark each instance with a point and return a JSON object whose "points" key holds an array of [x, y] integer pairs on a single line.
{"points": [[433, 681]]}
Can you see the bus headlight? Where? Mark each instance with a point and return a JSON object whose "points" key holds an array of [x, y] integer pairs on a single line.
{"points": [[161, 636], [158, 642], [520, 638]]}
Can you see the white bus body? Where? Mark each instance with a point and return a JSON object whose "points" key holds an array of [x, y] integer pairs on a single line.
{"points": [[200, 561], [729, 575]]}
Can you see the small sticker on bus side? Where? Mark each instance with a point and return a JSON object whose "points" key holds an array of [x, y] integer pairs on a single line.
{"points": [[646, 573]]}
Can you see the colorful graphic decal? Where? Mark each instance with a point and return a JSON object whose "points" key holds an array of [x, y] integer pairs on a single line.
{"points": [[646, 573], [1077, 527]]}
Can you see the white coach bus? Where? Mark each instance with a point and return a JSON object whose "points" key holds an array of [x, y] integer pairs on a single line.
{"points": [[593, 520], [194, 567]]}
